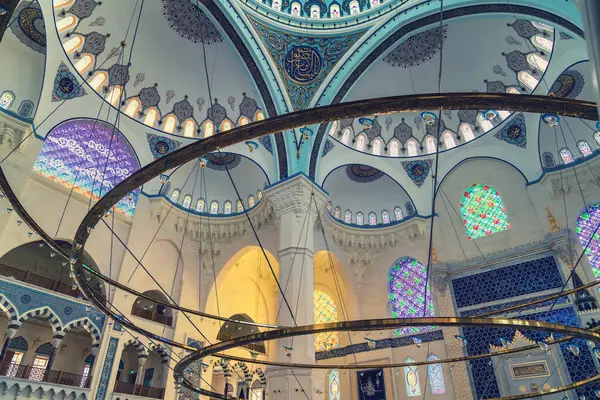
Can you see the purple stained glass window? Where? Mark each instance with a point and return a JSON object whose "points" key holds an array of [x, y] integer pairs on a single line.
{"points": [[587, 223], [92, 157], [406, 292]]}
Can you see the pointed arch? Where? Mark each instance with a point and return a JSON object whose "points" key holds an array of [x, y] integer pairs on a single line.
{"points": [[394, 148], [484, 123], [360, 218], [542, 43], [466, 132], [435, 376], [361, 142], [175, 195], [333, 378], [44, 312], [251, 201], [537, 62], [348, 216], [411, 378], [597, 137], [483, 211], [407, 291], [226, 125], [338, 212], [325, 311], [66, 23], [189, 128], [398, 213], [346, 133], [239, 206], [133, 107], [385, 217], [377, 145], [73, 44], [448, 139], [527, 80], [411, 147], [227, 207], [208, 128], [85, 63], [151, 117], [334, 11]]}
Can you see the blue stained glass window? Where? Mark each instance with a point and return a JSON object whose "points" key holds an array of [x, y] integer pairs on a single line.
{"points": [[411, 378], [435, 376], [372, 219], [398, 213], [360, 218], [406, 292]]}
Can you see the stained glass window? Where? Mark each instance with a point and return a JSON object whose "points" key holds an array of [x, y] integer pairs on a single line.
{"points": [[566, 156], [597, 137], [411, 378], [482, 211], [259, 195], [175, 195], [361, 142], [347, 216], [187, 201], [226, 125], [251, 201], [411, 147], [239, 206], [276, 5], [372, 218], [214, 207], [84, 63], [200, 205], [227, 207], [6, 99], [548, 160], [584, 148], [132, 107], [334, 384], [430, 145], [354, 8], [398, 213], [466, 132], [586, 226], [329, 206], [315, 11], [385, 217], [377, 147], [334, 11], [448, 138], [435, 376], [338, 212], [360, 218], [296, 9], [325, 312], [76, 155], [114, 95], [406, 292], [394, 148]]}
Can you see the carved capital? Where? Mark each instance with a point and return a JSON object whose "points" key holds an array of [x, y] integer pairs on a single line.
{"points": [[295, 196]]}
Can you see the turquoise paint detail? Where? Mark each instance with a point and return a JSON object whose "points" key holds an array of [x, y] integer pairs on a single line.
{"points": [[107, 368]]}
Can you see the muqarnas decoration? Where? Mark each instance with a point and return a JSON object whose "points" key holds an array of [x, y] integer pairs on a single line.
{"points": [[303, 62], [161, 146], [514, 132], [417, 170], [91, 157], [66, 85]]}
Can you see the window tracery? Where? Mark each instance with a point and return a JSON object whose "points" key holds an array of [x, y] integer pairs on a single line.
{"points": [[214, 207], [483, 211], [435, 376], [584, 148], [325, 311], [372, 218], [360, 218], [200, 205], [411, 378], [398, 213], [7, 98], [566, 156], [348, 216], [175, 195]]}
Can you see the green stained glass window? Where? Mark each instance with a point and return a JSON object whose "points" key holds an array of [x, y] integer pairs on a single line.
{"points": [[483, 212], [325, 312], [587, 231]]}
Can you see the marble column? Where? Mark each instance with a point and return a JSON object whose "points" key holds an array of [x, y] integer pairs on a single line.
{"points": [[55, 343], [142, 357], [590, 14], [294, 203]]}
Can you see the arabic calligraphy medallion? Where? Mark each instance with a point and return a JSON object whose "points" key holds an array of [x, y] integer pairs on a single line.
{"points": [[303, 64]]}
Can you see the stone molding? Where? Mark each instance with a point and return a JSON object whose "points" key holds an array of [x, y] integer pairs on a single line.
{"points": [[12, 130], [295, 196], [585, 175]]}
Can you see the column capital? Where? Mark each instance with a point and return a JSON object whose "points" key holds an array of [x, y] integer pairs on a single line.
{"points": [[295, 196]]}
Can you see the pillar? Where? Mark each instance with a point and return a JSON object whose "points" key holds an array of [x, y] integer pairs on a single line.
{"points": [[55, 343], [294, 204], [10, 333], [590, 13], [142, 357]]}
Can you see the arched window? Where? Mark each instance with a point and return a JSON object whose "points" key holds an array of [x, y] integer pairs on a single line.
{"points": [[372, 218], [251, 201], [466, 132], [73, 44], [259, 116], [435, 376], [584, 148], [214, 207], [170, 123], [484, 123], [361, 141], [333, 128], [187, 201], [333, 378], [513, 90], [208, 128], [86, 61], [25, 109], [189, 127], [411, 378], [537, 62], [329, 206], [114, 95], [597, 138], [542, 26], [227, 207], [548, 159], [448, 138], [132, 107], [295, 9], [528, 80], [430, 145], [377, 147], [346, 135], [66, 23], [410, 209], [259, 195], [411, 147], [315, 11], [348, 216], [7, 98], [542, 43], [243, 121], [62, 3], [276, 5], [374, 3], [385, 217], [406, 292], [587, 223], [325, 312], [566, 156], [398, 213], [200, 205], [239, 206], [360, 218], [175, 195], [354, 8], [334, 11], [394, 148], [482, 211], [503, 114], [337, 213], [226, 125], [257, 391], [151, 117], [99, 80]]}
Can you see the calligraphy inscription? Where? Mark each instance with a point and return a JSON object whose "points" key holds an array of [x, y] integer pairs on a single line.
{"points": [[303, 64], [529, 370]]}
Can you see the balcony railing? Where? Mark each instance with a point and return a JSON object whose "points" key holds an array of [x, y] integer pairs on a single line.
{"points": [[37, 280], [43, 375], [139, 390], [152, 316]]}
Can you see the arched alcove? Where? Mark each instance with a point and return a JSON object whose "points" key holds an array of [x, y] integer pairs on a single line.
{"points": [[153, 311], [232, 330]]}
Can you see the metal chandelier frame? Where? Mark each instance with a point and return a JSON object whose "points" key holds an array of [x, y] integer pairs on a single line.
{"points": [[355, 109]]}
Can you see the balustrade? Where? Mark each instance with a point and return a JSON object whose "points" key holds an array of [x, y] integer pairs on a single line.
{"points": [[40, 281], [28, 372], [139, 390]]}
